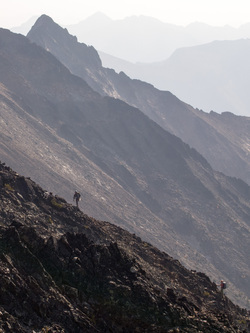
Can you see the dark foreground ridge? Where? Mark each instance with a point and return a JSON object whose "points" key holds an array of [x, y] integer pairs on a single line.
{"points": [[62, 271]]}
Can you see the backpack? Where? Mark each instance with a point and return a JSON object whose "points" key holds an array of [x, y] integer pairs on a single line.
{"points": [[77, 195]]}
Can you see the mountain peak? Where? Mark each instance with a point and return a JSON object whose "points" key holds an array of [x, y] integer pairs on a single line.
{"points": [[97, 19], [46, 24], [100, 15], [49, 34], [44, 20]]}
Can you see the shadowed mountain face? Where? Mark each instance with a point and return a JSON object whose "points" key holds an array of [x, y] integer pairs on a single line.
{"points": [[62, 271], [130, 171], [222, 139]]}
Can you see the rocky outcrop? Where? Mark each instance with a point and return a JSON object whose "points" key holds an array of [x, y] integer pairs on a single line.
{"points": [[62, 271]]}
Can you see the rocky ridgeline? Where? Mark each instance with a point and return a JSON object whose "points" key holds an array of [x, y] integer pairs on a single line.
{"points": [[62, 271]]}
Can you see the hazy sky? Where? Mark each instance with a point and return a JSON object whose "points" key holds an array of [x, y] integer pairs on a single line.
{"points": [[181, 12]]}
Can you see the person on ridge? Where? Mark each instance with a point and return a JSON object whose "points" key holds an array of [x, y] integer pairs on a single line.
{"points": [[222, 286], [77, 197]]}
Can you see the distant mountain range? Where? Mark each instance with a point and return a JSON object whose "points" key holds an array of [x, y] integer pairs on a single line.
{"points": [[145, 39], [130, 171], [212, 76], [141, 38]]}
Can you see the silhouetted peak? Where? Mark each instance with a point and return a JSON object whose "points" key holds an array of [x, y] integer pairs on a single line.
{"points": [[43, 20], [98, 17], [49, 34]]}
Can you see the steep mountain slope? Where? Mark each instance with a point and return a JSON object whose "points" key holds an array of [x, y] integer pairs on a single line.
{"points": [[145, 179], [62, 271], [216, 140]]}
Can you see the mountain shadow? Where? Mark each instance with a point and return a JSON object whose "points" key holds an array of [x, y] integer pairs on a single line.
{"points": [[130, 171]]}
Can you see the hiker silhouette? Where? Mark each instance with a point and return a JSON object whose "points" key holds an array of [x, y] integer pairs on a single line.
{"points": [[77, 197]]}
